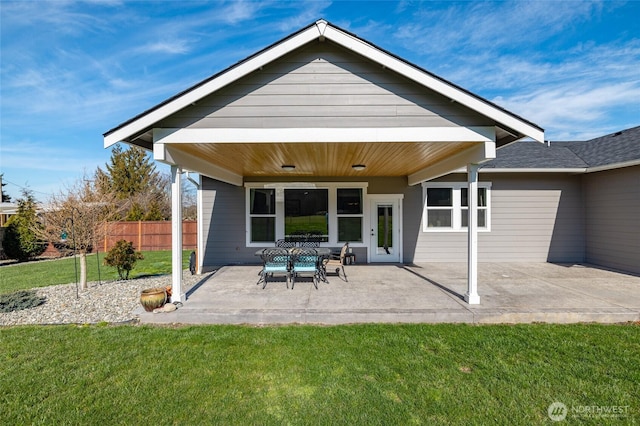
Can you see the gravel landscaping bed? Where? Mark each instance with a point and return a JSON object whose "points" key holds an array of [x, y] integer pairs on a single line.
{"points": [[112, 302]]}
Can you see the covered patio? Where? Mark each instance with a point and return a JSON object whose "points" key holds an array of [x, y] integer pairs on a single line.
{"points": [[418, 293], [350, 125]]}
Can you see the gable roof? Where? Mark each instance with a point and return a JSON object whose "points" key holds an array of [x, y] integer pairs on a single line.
{"points": [[509, 127], [605, 152]]}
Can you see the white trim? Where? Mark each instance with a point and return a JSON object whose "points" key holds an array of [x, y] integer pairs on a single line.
{"points": [[311, 185], [331, 187], [393, 198], [471, 296], [456, 208], [324, 135], [531, 170], [177, 294], [613, 166], [321, 31], [476, 154], [200, 224], [170, 155], [576, 170]]}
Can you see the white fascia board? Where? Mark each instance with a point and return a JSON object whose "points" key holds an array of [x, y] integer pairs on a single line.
{"points": [[167, 154], [613, 166], [325, 135], [211, 86], [535, 170], [561, 170], [438, 85], [474, 155]]}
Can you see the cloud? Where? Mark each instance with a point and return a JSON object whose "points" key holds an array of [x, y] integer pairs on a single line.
{"points": [[307, 13], [239, 11], [59, 17], [570, 109], [488, 26], [532, 59], [171, 47]]}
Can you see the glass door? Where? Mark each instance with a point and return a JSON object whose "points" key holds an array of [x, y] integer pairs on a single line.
{"points": [[385, 230]]}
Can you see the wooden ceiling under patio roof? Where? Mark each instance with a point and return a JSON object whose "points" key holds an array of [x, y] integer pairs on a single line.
{"points": [[324, 159]]}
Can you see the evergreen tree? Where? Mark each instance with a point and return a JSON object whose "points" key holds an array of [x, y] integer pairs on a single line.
{"points": [[5, 197], [132, 177], [21, 240], [129, 173]]}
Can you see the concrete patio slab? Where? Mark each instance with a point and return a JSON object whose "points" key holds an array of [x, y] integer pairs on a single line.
{"points": [[423, 293]]}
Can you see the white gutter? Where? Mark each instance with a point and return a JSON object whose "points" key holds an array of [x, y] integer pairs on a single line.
{"points": [[630, 163], [613, 166]]}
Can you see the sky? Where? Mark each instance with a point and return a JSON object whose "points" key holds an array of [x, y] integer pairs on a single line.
{"points": [[72, 70]]}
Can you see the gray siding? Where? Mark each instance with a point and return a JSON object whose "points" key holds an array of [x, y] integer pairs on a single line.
{"points": [[224, 215], [224, 224], [321, 85], [534, 218], [612, 201]]}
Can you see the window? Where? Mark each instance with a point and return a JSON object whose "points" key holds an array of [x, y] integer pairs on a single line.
{"points": [[350, 214], [446, 207], [333, 211], [482, 207], [306, 213], [262, 213]]}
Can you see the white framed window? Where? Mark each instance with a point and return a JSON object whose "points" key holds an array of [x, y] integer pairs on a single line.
{"points": [[333, 211], [350, 214], [446, 206], [262, 214]]}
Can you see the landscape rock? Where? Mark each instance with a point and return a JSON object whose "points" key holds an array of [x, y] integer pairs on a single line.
{"points": [[111, 302]]}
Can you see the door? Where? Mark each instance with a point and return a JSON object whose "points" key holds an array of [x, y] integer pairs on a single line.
{"points": [[386, 219]]}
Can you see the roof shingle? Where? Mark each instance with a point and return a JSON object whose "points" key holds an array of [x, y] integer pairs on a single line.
{"points": [[615, 148]]}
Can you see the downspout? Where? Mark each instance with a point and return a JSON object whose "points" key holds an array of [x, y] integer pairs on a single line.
{"points": [[192, 180]]}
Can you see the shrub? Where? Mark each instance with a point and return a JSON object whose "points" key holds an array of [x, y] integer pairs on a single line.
{"points": [[123, 257], [19, 300]]}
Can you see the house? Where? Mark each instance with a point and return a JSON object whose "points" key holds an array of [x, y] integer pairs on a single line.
{"points": [[557, 202], [325, 133]]}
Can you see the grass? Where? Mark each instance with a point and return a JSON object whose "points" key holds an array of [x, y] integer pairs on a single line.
{"points": [[28, 275], [358, 374]]}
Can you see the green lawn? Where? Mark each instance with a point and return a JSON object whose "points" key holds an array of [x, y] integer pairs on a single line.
{"points": [[358, 374], [63, 271]]}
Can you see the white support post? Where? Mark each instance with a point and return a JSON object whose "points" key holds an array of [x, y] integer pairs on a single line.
{"points": [[200, 221], [176, 235], [471, 296]]}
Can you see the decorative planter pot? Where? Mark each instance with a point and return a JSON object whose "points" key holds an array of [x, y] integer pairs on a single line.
{"points": [[152, 298]]}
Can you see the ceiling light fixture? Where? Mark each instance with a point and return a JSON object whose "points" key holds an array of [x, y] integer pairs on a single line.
{"points": [[358, 167], [288, 167]]}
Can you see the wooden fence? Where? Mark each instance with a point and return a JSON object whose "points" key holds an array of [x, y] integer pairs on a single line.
{"points": [[149, 235]]}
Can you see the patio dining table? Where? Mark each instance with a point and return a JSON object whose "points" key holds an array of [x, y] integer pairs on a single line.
{"points": [[323, 253]]}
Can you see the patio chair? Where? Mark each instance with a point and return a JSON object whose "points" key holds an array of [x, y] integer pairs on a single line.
{"points": [[305, 261], [274, 261], [309, 244], [336, 261], [285, 244]]}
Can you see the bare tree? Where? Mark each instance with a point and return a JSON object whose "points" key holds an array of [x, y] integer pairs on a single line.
{"points": [[82, 214]]}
